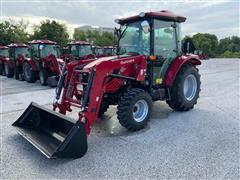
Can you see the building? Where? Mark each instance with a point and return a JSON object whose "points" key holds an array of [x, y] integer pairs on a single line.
{"points": [[95, 28]]}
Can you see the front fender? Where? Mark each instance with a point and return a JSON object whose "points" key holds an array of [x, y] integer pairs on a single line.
{"points": [[32, 64], [11, 63], [176, 66]]}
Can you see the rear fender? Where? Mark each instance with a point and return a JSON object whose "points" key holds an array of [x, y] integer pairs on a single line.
{"points": [[176, 66]]}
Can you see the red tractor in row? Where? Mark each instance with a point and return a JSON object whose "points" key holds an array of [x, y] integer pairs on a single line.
{"points": [[109, 50], [41, 63], [151, 67], [98, 51], [17, 53], [4, 56], [80, 50]]}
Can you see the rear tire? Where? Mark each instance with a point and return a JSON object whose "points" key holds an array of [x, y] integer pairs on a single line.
{"points": [[185, 90], [1, 69], [8, 71], [16, 72], [43, 76], [29, 74], [134, 109]]}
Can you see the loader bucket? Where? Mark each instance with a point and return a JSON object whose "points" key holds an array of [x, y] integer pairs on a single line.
{"points": [[54, 134]]}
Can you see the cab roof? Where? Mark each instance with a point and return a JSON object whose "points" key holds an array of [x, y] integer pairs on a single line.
{"points": [[108, 47], [79, 43], [17, 45], [162, 15], [42, 41]]}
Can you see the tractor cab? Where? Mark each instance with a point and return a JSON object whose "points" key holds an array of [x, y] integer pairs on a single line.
{"points": [[98, 51], [4, 51], [81, 50], [4, 54], [18, 50], [155, 35], [109, 50], [43, 48]]}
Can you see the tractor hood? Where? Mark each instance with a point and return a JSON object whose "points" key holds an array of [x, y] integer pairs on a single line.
{"points": [[109, 58]]}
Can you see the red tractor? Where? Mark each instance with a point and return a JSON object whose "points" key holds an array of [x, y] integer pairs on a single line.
{"points": [[80, 50], [109, 50], [17, 53], [42, 63], [4, 56], [152, 68], [97, 51]]}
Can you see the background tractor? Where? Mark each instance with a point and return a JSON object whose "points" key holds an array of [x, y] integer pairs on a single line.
{"points": [[4, 55], [80, 50], [109, 50], [42, 63], [17, 53], [98, 51], [151, 67]]}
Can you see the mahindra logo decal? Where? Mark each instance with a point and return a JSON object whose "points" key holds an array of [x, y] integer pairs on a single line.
{"points": [[128, 61]]}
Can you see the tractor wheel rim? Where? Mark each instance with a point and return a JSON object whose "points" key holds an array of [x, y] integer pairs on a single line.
{"points": [[190, 87], [6, 68], [140, 110]]}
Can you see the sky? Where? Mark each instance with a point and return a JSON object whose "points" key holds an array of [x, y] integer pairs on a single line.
{"points": [[220, 17]]}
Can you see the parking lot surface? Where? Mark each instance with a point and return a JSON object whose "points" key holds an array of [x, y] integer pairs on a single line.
{"points": [[201, 143]]}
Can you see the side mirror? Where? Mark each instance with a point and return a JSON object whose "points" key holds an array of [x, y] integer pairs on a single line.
{"points": [[145, 26], [117, 32]]}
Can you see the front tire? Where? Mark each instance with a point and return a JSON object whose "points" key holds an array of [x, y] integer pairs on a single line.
{"points": [[43, 76], [8, 71], [185, 90], [134, 109], [1, 69], [17, 72], [29, 74]]}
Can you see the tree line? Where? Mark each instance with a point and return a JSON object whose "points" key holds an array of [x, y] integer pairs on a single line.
{"points": [[15, 32]]}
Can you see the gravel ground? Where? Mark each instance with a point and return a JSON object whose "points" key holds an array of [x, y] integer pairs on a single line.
{"points": [[201, 143]]}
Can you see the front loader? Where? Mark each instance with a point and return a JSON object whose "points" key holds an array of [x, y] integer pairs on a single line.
{"points": [[149, 66]]}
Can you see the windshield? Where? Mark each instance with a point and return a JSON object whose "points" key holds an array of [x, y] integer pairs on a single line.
{"points": [[108, 51], [164, 39], [23, 51], [4, 52], [48, 49], [81, 50], [134, 39], [99, 51]]}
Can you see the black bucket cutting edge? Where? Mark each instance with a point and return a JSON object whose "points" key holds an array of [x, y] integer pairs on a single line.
{"points": [[53, 134]]}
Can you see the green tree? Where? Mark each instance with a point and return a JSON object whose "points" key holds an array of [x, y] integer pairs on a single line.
{"points": [[79, 35], [13, 32], [95, 37], [208, 43], [53, 31], [229, 44]]}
